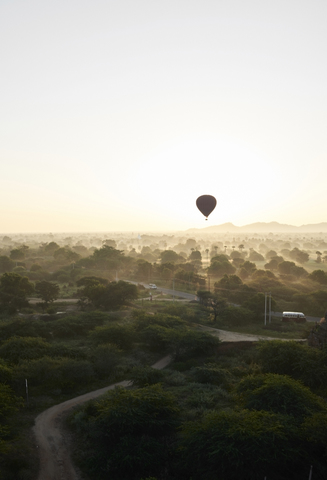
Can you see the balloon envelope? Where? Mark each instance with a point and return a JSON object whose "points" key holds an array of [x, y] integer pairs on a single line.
{"points": [[206, 204]]}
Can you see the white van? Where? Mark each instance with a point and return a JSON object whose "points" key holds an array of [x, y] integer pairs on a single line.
{"points": [[153, 286], [297, 317]]}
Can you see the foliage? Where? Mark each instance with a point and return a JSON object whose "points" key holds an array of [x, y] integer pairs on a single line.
{"points": [[256, 304], [120, 335], [16, 349], [111, 296], [108, 258], [144, 376], [105, 358], [279, 394], [9, 406], [169, 256], [17, 254], [220, 266], [318, 276], [211, 373], [127, 432], [233, 289], [47, 291], [13, 291], [226, 444], [298, 255], [52, 373], [190, 277], [6, 264], [143, 270], [236, 316], [300, 362], [142, 320]]}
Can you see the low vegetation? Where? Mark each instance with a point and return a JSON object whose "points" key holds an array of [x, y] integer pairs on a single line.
{"points": [[217, 405]]}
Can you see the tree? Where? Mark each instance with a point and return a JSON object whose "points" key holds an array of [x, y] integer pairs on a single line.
{"points": [[300, 362], [17, 254], [108, 258], [169, 256], [270, 254], [119, 335], [256, 257], [220, 266], [239, 444], [6, 264], [143, 270], [250, 267], [109, 243], [129, 432], [16, 349], [285, 267], [107, 296], [256, 304], [47, 291], [318, 276], [50, 248], [13, 291], [298, 271], [9, 406], [279, 394], [64, 255], [195, 258], [299, 256]]}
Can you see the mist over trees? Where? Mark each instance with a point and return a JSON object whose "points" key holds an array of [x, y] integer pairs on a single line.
{"points": [[290, 267]]}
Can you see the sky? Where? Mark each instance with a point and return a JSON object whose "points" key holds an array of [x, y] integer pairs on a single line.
{"points": [[115, 115]]}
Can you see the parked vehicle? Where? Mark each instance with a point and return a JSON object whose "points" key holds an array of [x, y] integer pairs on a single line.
{"points": [[153, 286], [297, 317]]}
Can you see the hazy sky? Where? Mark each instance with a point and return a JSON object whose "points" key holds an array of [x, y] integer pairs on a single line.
{"points": [[118, 114]]}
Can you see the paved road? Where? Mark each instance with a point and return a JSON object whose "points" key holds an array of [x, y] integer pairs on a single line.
{"points": [[167, 291]]}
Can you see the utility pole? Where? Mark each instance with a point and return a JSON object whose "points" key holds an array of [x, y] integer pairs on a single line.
{"points": [[26, 386], [310, 474]]}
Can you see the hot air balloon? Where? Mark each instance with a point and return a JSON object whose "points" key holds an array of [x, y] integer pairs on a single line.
{"points": [[206, 204]]}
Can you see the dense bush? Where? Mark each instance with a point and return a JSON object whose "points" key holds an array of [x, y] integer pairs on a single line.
{"points": [[239, 445], [120, 335], [127, 433], [16, 349], [300, 362], [55, 373], [279, 394]]}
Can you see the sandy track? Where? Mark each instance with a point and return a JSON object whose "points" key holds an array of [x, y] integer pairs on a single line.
{"points": [[55, 462], [225, 336]]}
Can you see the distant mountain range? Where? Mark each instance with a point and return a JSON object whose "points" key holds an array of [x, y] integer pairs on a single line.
{"points": [[262, 227]]}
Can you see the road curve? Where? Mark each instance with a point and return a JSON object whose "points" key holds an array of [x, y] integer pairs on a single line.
{"points": [[55, 462], [226, 336]]}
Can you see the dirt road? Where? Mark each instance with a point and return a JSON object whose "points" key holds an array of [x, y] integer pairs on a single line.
{"points": [[55, 463], [225, 336]]}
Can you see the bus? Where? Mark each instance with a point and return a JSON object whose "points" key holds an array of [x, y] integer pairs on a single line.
{"points": [[297, 317]]}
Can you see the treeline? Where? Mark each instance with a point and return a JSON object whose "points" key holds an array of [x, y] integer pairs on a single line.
{"points": [[192, 265]]}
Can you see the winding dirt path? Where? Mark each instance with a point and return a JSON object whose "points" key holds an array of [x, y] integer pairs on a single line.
{"points": [[55, 462]]}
